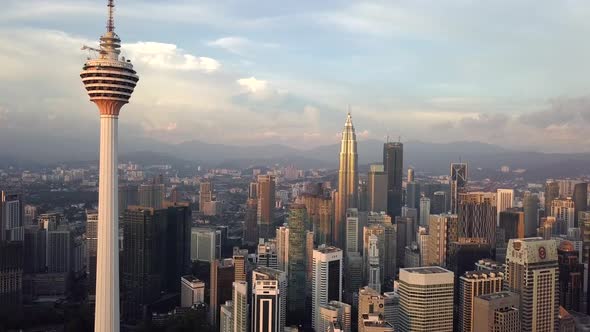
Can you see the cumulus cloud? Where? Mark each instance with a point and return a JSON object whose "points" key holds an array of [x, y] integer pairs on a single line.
{"points": [[169, 56], [240, 45], [252, 84]]}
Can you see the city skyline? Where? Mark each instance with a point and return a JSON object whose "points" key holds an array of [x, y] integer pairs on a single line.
{"points": [[219, 70]]}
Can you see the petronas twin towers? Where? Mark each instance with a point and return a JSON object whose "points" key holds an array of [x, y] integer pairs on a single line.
{"points": [[347, 195]]}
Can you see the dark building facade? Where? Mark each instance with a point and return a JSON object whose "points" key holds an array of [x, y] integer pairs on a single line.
{"points": [[11, 279], [571, 277], [580, 200], [393, 164]]}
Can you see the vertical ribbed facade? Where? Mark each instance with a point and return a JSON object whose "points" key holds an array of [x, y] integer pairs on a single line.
{"points": [[347, 181]]}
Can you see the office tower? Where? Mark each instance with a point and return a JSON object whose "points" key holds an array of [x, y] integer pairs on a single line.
{"points": [[175, 241], [512, 221], [226, 317], [424, 211], [405, 233], [377, 188], [221, 280], [363, 195], [326, 218], [205, 194], [496, 312], [152, 195], [309, 246], [370, 302], [35, 250], [530, 204], [253, 190], [192, 291], [250, 222], [391, 307], [479, 197], [462, 256], [11, 217], [377, 218], [335, 313], [240, 306], [240, 258], [580, 200], [412, 195], [30, 215], [269, 299], [438, 238], [59, 251], [11, 279], [266, 206], [387, 241], [296, 263], [205, 244], [439, 202], [571, 277], [458, 183], [283, 248], [410, 174], [375, 323], [50, 221], [373, 268], [471, 285], [409, 213], [91, 244], [266, 255], [354, 275], [532, 272], [504, 201], [478, 220], [327, 279], [551, 193], [347, 195], [426, 299], [564, 210], [584, 222], [354, 225], [393, 162]]}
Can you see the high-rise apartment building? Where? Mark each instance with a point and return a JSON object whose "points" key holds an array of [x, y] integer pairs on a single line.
{"points": [[269, 300], [11, 217], [205, 194], [266, 206], [347, 195], [496, 312], [471, 285], [458, 183], [377, 188], [504, 201], [226, 317], [241, 316], [373, 267], [283, 248], [221, 280], [327, 279], [152, 195], [192, 291], [426, 299], [571, 277], [532, 271], [393, 162], [563, 210], [370, 302], [296, 263], [240, 258], [424, 211]]}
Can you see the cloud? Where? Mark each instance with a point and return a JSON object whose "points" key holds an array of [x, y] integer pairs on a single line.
{"points": [[252, 84], [169, 57], [563, 112], [240, 45]]}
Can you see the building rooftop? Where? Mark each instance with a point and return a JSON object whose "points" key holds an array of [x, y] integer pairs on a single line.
{"points": [[495, 296], [484, 274], [191, 278], [328, 249], [427, 270]]}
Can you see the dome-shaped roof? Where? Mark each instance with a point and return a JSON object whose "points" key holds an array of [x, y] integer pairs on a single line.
{"points": [[566, 246]]}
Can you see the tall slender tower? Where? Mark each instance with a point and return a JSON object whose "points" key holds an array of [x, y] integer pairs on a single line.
{"points": [[109, 80], [347, 181]]}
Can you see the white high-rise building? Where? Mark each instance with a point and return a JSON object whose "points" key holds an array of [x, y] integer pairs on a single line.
{"points": [[424, 211], [353, 226], [283, 248], [240, 306], [226, 321], [564, 210], [192, 291], [335, 313], [504, 201], [11, 217], [326, 279], [205, 244], [373, 268], [269, 300], [109, 80], [426, 299]]}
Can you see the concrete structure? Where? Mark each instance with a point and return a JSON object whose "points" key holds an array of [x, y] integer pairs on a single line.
{"points": [[205, 244], [266, 206], [377, 188], [109, 80], [11, 217], [192, 291], [375, 323], [221, 280], [471, 285], [424, 211], [226, 319], [335, 313], [296, 265], [371, 302], [347, 195], [241, 310], [426, 299], [496, 312], [373, 267], [532, 272], [269, 300], [327, 279], [504, 201], [564, 210], [458, 183]]}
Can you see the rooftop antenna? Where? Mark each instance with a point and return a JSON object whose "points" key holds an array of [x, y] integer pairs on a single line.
{"points": [[111, 20]]}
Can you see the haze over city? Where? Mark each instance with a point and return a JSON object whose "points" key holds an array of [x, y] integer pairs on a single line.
{"points": [[505, 73]]}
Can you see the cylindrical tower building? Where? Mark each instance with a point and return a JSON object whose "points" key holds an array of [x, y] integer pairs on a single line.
{"points": [[110, 81]]}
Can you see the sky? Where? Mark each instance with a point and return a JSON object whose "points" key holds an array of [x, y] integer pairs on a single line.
{"points": [[511, 73]]}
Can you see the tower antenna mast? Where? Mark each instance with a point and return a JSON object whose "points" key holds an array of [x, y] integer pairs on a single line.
{"points": [[111, 20]]}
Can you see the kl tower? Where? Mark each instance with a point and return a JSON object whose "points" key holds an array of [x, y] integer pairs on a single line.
{"points": [[109, 80]]}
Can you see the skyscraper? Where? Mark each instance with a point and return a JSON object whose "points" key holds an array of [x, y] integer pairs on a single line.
{"points": [[373, 267], [240, 306], [424, 211], [571, 277], [151, 195], [530, 204], [504, 201], [221, 281], [269, 300], [371, 302], [327, 279], [91, 244], [426, 299], [478, 220], [205, 244], [580, 200], [347, 195], [11, 279], [471, 285], [496, 312], [192, 291], [439, 202], [377, 188], [393, 162], [551, 193], [458, 183], [266, 206], [335, 313], [109, 82], [205, 194], [11, 217], [296, 263], [563, 210], [532, 272], [584, 221], [251, 222]]}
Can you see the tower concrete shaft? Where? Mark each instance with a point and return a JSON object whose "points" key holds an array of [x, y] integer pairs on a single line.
{"points": [[109, 81]]}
